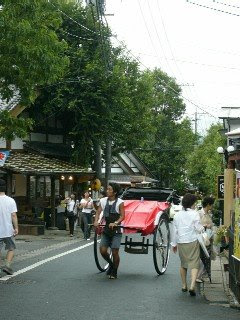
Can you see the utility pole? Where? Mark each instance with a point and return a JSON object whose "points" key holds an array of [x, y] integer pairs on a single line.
{"points": [[196, 124], [106, 57]]}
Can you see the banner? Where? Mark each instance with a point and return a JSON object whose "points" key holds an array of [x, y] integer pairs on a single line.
{"points": [[237, 218], [3, 157]]}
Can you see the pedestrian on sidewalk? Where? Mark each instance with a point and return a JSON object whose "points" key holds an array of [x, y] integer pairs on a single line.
{"points": [[206, 221], [186, 227], [71, 212], [86, 205], [8, 226], [113, 214]]}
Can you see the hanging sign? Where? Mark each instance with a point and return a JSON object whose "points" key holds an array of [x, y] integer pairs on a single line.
{"points": [[3, 157], [236, 222], [220, 187]]}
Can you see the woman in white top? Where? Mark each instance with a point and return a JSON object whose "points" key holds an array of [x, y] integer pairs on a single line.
{"points": [[86, 205], [206, 221], [186, 227], [71, 211]]}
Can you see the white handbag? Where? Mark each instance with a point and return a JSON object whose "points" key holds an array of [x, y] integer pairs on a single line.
{"points": [[205, 238], [202, 238]]}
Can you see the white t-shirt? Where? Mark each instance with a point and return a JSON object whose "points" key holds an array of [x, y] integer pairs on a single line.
{"points": [[71, 205], [103, 202], [7, 207], [89, 207]]}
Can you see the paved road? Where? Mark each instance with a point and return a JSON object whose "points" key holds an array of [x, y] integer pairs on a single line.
{"points": [[71, 288]]}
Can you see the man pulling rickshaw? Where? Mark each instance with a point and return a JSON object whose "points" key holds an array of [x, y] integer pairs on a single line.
{"points": [[112, 208]]}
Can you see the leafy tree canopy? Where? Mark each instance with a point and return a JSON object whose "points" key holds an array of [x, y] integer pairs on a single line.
{"points": [[205, 163], [31, 53]]}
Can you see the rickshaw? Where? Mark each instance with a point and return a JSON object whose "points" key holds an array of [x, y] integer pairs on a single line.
{"points": [[146, 214]]}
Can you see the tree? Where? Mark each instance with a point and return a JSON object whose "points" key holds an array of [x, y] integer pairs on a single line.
{"points": [[166, 148], [11, 127], [204, 164], [98, 103], [31, 53]]}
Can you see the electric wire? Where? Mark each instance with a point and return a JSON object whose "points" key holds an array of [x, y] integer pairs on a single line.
{"points": [[74, 35], [167, 84], [194, 62], [214, 9], [171, 50], [158, 37], [226, 4], [73, 20], [129, 51]]}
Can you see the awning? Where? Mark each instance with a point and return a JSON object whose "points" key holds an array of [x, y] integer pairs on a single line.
{"points": [[35, 164], [127, 179]]}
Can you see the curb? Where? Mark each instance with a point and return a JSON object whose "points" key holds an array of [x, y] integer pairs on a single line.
{"points": [[209, 288]]}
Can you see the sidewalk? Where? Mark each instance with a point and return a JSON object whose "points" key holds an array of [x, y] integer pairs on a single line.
{"points": [[217, 292]]}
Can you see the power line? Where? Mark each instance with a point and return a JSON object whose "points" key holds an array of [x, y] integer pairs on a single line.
{"points": [[114, 36], [214, 9], [158, 37], [78, 23], [226, 4], [169, 45], [140, 62], [197, 63], [74, 35]]}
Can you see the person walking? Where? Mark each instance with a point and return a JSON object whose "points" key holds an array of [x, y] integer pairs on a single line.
{"points": [[86, 205], [113, 214], [206, 221], [186, 227], [8, 226], [71, 211]]}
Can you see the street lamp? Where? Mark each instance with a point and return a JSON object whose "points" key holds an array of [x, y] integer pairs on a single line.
{"points": [[225, 152]]}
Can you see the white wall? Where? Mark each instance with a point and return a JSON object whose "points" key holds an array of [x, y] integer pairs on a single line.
{"points": [[17, 143], [54, 138], [38, 137], [2, 143]]}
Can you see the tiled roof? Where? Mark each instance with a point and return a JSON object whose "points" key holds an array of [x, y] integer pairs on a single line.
{"points": [[232, 113], [233, 132], [26, 163], [58, 150], [9, 105], [128, 178]]}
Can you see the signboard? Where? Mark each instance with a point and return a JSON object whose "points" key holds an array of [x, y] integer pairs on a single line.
{"points": [[237, 218], [220, 187]]}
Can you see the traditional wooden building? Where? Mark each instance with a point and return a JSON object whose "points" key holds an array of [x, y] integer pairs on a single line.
{"points": [[38, 169], [127, 168], [231, 123]]}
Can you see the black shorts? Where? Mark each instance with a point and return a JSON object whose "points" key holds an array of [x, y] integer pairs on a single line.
{"points": [[9, 243]]}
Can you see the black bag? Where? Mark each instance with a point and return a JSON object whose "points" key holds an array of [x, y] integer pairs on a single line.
{"points": [[111, 219]]}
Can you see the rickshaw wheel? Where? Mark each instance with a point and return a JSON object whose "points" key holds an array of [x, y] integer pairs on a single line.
{"points": [[161, 245], [101, 264]]}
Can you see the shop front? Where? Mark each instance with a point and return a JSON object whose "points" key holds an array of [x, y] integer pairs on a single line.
{"points": [[38, 184]]}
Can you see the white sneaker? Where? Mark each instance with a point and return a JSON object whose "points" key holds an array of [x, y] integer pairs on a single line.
{"points": [[88, 239]]}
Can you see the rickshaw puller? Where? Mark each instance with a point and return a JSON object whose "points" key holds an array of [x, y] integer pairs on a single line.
{"points": [[113, 213]]}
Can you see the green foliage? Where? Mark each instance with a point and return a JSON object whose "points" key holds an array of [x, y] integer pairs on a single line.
{"points": [[166, 148], [204, 164], [11, 127], [98, 99], [31, 53]]}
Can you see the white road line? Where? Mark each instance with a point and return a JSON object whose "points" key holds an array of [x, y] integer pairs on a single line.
{"points": [[39, 263]]}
